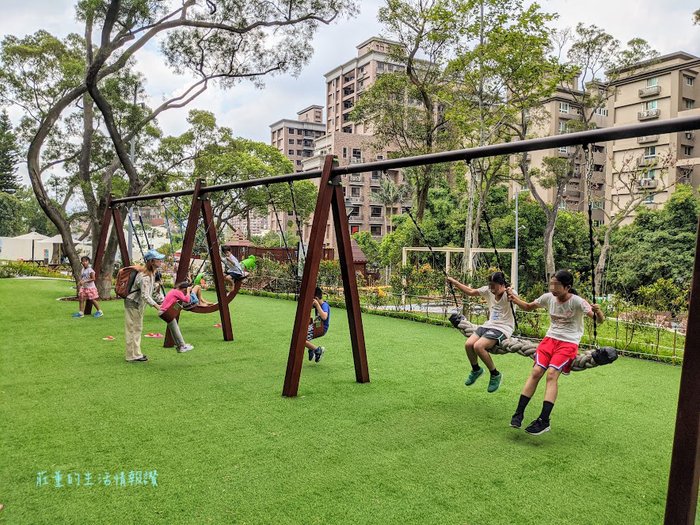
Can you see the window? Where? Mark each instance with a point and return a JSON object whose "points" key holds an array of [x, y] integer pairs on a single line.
{"points": [[598, 167], [651, 104], [564, 107], [356, 153], [689, 81], [354, 228], [290, 152], [563, 127], [688, 103], [687, 150], [376, 211], [650, 152], [355, 211], [291, 131], [597, 224], [649, 199], [598, 149], [299, 152], [652, 82], [300, 141], [597, 205], [291, 141], [562, 204], [563, 149], [603, 112], [298, 163], [376, 229], [345, 152], [355, 191]]}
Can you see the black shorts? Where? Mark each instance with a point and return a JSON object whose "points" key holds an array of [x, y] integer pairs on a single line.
{"points": [[490, 333]]}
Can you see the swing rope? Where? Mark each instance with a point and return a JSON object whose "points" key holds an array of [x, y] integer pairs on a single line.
{"points": [[297, 219], [498, 256], [133, 229], [292, 264], [591, 245], [430, 249], [145, 236]]}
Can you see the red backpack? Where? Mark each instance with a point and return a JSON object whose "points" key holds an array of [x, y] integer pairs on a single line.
{"points": [[124, 284]]}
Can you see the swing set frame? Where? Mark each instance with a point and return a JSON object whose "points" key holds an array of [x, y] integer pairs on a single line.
{"points": [[684, 476]]}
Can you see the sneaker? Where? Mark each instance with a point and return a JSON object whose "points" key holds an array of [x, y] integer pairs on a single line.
{"points": [[139, 360], [185, 348], [537, 427], [98, 313], [319, 353], [78, 315], [494, 382], [516, 421], [473, 376], [311, 354]]}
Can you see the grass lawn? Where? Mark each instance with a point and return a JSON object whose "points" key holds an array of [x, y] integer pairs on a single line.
{"points": [[413, 446]]}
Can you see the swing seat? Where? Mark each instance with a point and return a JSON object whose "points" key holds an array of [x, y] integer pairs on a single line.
{"points": [[199, 309], [319, 329], [514, 345]]}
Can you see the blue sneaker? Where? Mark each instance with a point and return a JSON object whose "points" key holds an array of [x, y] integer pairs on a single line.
{"points": [[319, 353], [78, 315], [98, 313]]}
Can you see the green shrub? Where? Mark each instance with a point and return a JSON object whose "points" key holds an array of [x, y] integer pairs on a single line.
{"points": [[10, 269]]}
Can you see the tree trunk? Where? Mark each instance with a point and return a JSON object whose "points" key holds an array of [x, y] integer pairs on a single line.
{"points": [[602, 261], [247, 219], [549, 264]]}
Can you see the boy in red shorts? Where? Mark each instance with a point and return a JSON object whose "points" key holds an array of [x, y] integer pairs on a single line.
{"points": [[558, 349]]}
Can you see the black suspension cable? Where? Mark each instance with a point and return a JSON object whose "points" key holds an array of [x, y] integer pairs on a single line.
{"points": [[145, 236], [591, 247], [296, 218], [430, 249], [133, 229]]}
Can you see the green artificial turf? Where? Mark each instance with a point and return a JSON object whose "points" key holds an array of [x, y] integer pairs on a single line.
{"points": [[412, 446]]}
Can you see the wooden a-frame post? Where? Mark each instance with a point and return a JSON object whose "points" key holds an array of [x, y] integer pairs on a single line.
{"points": [[202, 206], [330, 196]]}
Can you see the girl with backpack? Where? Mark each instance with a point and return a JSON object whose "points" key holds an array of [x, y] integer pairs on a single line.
{"points": [[135, 303]]}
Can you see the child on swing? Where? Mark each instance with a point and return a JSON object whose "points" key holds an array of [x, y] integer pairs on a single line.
{"points": [[88, 289], [495, 330], [233, 271], [557, 351], [323, 313], [199, 284], [168, 313]]}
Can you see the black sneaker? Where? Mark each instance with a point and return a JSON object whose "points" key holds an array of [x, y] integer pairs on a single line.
{"points": [[517, 420], [311, 354], [537, 427], [319, 353]]}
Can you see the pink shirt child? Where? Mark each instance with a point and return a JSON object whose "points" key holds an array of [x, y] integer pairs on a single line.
{"points": [[172, 297]]}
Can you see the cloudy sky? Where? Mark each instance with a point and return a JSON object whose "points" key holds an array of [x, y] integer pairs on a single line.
{"points": [[666, 24]]}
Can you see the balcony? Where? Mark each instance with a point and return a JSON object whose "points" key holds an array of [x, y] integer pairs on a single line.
{"points": [[643, 162], [356, 199], [648, 114], [647, 184], [649, 91], [357, 177], [572, 194], [375, 181], [646, 139], [356, 217], [356, 160], [376, 220]]}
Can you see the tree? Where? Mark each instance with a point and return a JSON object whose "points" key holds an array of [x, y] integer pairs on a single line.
{"points": [[389, 195], [403, 108], [640, 185], [73, 89], [658, 244], [9, 156], [495, 83]]}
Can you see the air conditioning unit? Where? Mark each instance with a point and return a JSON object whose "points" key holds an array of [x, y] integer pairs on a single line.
{"points": [[648, 183]]}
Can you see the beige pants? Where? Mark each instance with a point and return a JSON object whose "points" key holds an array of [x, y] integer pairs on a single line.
{"points": [[133, 325]]}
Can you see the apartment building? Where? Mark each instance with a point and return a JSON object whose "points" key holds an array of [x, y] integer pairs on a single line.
{"points": [[346, 83], [295, 138], [558, 115], [662, 88]]}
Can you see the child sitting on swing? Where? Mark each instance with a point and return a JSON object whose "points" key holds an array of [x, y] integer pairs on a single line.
{"points": [[557, 351], [182, 293], [199, 285], [318, 327], [233, 271]]}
